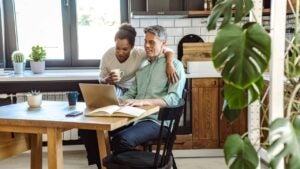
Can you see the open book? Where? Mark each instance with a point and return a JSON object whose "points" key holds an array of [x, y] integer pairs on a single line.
{"points": [[114, 110]]}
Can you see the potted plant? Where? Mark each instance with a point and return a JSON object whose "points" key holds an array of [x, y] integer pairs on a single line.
{"points": [[242, 53], [37, 56], [34, 99], [18, 60]]}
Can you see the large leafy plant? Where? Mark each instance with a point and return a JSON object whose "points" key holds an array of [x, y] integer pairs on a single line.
{"points": [[241, 51]]}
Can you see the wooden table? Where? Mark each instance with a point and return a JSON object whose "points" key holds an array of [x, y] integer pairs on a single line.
{"points": [[50, 119]]}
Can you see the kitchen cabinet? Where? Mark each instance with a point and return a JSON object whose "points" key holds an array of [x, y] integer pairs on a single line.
{"points": [[156, 5], [209, 130], [193, 8], [205, 108], [226, 128]]}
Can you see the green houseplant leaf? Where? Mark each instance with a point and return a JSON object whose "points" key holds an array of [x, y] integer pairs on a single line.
{"points": [[38, 53], [239, 153], [241, 53], [242, 8], [285, 139], [237, 98], [231, 114]]}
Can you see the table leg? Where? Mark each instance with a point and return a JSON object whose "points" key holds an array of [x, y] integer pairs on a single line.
{"points": [[103, 144], [36, 151], [55, 151]]}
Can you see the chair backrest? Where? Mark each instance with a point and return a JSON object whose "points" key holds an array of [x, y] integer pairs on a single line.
{"points": [[171, 114]]}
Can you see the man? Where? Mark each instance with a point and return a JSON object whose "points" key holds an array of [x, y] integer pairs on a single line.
{"points": [[150, 87]]}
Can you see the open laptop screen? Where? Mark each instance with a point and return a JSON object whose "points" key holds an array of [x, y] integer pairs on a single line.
{"points": [[98, 95]]}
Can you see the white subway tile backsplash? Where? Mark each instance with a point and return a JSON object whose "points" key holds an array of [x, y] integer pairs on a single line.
{"points": [[205, 38], [196, 22], [211, 38], [173, 47], [137, 40], [139, 31], [174, 31], [195, 30], [179, 27], [204, 31], [147, 22], [135, 23], [177, 39], [186, 22], [142, 39], [166, 22], [170, 40]]}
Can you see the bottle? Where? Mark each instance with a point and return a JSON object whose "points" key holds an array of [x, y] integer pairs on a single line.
{"points": [[205, 5]]}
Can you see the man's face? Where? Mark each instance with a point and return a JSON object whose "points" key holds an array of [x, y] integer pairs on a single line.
{"points": [[153, 45], [123, 49]]}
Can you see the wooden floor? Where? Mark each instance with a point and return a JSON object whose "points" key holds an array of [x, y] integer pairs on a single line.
{"points": [[75, 158]]}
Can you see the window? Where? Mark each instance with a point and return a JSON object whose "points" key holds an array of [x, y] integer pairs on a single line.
{"points": [[76, 33]]}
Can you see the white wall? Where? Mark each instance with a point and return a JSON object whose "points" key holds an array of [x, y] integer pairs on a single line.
{"points": [[176, 29], [179, 27]]}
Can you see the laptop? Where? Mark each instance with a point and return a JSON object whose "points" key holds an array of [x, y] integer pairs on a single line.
{"points": [[98, 95]]}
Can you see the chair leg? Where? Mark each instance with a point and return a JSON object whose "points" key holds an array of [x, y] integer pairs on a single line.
{"points": [[174, 163]]}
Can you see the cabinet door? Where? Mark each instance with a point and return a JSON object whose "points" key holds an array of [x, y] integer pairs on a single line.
{"points": [[226, 128], [195, 5], [205, 98], [137, 5]]}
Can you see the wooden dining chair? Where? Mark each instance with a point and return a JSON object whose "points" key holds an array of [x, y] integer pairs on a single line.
{"points": [[162, 157], [147, 146]]}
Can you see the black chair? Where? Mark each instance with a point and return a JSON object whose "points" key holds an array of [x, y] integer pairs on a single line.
{"points": [[152, 160], [148, 145]]}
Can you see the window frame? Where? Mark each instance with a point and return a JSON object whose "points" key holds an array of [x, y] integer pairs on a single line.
{"points": [[69, 18]]}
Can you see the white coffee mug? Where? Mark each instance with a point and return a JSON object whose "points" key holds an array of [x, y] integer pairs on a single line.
{"points": [[118, 73]]}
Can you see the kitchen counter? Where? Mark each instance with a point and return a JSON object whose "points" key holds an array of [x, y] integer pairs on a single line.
{"points": [[91, 74]]}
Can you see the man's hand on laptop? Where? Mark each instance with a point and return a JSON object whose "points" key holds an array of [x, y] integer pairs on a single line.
{"points": [[134, 102]]}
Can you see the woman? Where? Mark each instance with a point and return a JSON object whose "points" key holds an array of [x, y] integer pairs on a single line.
{"points": [[129, 59]]}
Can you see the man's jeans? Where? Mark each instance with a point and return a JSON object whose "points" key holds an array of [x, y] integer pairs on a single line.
{"points": [[122, 140]]}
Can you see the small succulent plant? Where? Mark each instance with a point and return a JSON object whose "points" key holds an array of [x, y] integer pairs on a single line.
{"points": [[34, 92], [38, 53], [17, 57]]}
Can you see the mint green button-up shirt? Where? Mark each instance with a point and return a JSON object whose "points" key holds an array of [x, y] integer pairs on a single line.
{"points": [[151, 82]]}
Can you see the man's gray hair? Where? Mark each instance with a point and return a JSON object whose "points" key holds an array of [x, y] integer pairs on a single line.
{"points": [[158, 31]]}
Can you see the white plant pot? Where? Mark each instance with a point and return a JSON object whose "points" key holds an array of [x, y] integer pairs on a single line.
{"points": [[19, 68], [34, 100], [37, 67]]}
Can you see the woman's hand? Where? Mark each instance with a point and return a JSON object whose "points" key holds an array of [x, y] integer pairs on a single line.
{"points": [[171, 73], [110, 78]]}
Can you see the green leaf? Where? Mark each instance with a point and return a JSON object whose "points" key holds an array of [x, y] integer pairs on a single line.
{"points": [[241, 53], [237, 98], [231, 114], [242, 8], [285, 142], [239, 153]]}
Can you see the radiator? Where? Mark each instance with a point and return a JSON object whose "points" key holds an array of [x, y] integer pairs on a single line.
{"points": [[52, 96]]}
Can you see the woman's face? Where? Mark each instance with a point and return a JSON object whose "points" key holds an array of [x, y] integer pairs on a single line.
{"points": [[123, 49]]}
